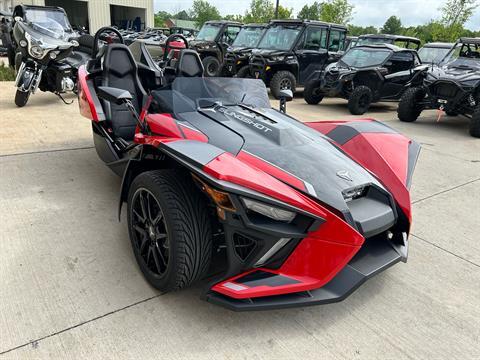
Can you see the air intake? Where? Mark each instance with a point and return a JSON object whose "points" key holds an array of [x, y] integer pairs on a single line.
{"points": [[243, 246]]}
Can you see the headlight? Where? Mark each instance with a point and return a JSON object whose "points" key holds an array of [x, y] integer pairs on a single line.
{"points": [[268, 210], [53, 55], [36, 51], [23, 43]]}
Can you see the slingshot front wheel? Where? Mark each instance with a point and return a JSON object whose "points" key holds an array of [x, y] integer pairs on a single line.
{"points": [[169, 229]]}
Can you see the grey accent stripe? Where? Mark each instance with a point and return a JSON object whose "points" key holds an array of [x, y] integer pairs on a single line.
{"points": [[346, 132], [197, 152], [413, 153]]}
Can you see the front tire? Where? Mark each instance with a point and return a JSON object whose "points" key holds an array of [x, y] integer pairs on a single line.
{"points": [[244, 73], [282, 80], [408, 108], [211, 66], [21, 98], [475, 123], [360, 100], [169, 228], [312, 94]]}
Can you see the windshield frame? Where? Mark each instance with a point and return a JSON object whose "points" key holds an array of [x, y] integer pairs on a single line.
{"points": [[429, 50], [290, 27], [210, 25], [370, 49]]}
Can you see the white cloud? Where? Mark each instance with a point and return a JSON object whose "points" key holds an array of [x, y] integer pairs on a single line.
{"points": [[367, 12]]}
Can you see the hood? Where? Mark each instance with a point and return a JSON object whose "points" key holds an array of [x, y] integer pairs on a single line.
{"points": [[293, 147], [200, 44], [456, 74], [269, 52], [240, 50]]}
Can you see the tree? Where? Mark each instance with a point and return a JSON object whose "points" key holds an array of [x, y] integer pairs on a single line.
{"points": [[360, 30], [182, 15], [262, 11], [336, 11], [455, 13], [236, 17], [393, 26], [311, 12], [202, 11], [160, 18]]}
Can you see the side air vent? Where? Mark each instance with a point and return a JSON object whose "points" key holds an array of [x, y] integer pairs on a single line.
{"points": [[243, 246]]}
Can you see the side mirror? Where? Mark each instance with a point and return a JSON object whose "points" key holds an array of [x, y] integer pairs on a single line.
{"points": [[285, 96], [114, 95]]}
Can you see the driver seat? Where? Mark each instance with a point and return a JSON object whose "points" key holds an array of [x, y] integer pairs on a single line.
{"points": [[121, 71]]}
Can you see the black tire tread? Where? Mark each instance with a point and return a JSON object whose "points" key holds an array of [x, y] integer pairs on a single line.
{"points": [[21, 98], [244, 72], [475, 123], [309, 93], [190, 225], [206, 61], [357, 93], [407, 111], [275, 82]]}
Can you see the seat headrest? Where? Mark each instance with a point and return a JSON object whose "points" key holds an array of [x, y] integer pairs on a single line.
{"points": [[189, 64], [119, 60]]}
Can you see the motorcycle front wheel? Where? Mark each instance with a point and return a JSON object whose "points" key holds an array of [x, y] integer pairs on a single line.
{"points": [[21, 98]]}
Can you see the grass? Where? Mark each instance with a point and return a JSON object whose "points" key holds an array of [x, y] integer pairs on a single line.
{"points": [[6, 72]]}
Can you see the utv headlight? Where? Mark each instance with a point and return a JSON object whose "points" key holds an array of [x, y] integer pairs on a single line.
{"points": [[277, 58], [36, 51], [268, 210]]}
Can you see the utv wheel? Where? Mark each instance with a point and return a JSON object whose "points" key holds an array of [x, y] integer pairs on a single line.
{"points": [[169, 228], [282, 80], [21, 98], [360, 100], [212, 66], [312, 94], [244, 72], [408, 108], [475, 123]]}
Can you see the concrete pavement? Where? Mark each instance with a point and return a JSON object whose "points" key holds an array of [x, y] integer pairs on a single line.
{"points": [[70, 287]]}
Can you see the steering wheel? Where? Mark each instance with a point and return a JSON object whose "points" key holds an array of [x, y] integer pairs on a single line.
{"points": [[168, 47], [100, 32]]}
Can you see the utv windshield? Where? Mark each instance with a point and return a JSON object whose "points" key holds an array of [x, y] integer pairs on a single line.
{"points": [[464, 56], [191, 94], [248, 37], [209, 32], [280, 37], [432, 55], [365, 57]]}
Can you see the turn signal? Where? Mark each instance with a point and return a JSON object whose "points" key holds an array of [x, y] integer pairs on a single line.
{"points": [[220, 198]]}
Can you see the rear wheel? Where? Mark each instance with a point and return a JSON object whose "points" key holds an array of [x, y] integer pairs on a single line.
{"points": [[475, 123], [169, 228], [312, 93], [282, 80], [21, 98], [409, 108], [360, 100], [212, 66], [244, 72]]}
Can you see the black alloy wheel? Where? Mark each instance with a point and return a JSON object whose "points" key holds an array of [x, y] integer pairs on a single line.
{"points": [[150, 232]]}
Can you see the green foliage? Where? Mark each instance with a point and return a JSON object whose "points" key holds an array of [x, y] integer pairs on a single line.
{"points": [[336, 11], [354, 30], [161, 17], [393, 26], [455, 13], [236, 17], [311, 12], [262, 11], [202, 11], [6, 72]]}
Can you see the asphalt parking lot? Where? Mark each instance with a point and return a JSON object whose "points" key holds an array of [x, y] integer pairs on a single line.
{"points": [[70, 287]]}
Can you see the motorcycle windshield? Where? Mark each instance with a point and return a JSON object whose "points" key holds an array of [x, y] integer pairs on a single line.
{"points": [[49, 23], [187, 94]]}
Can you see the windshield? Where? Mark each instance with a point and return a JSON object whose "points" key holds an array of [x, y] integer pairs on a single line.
{"points": [[464, 56], [248, 37], [208, 32], [432, 55], [190, 94], [280, 37], [48, 22], [365, 57], [373, 41]]}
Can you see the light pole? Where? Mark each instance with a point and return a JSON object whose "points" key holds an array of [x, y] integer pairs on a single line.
{"points": [[276, 10]]}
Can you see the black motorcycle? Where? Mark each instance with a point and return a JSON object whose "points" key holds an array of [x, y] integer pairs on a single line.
{"points": [[44, 40]]}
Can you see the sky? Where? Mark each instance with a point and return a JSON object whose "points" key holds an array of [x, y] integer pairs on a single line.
{"points": [[366, 12]]}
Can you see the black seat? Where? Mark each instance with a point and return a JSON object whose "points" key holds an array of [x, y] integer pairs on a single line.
{"points": [[120, 71], [189, 64]]}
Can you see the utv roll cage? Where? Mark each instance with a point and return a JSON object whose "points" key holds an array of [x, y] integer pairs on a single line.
{"points": [[391, 39]]}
